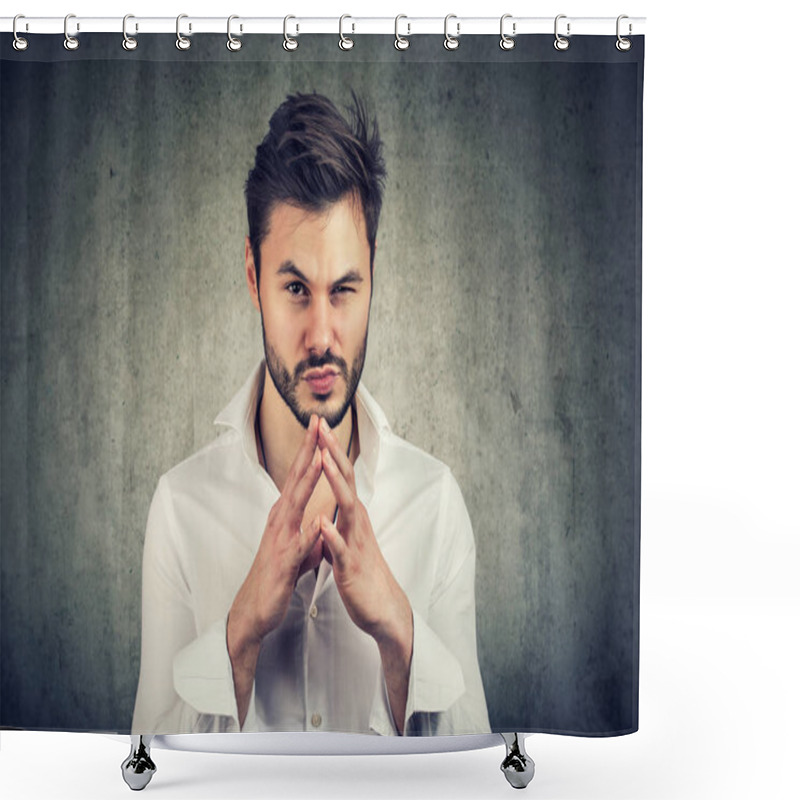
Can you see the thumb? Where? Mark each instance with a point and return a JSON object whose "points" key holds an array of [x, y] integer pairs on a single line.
{"points": [[333, 540]]}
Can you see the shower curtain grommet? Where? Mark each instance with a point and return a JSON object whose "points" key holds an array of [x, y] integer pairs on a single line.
{"points": [[20, 43], [507, 42], [622, 44], [233, 44], [561, 43], [450, 41], [401, 42], [70, 42], [289, 44], [345, 42], [128, 42], [182, 42]]}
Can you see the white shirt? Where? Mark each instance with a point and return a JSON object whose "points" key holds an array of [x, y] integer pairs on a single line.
{"points": [[317, 671]]}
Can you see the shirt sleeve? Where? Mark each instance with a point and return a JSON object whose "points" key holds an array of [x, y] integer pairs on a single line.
{"points": [[185, 680], [445, 691]]}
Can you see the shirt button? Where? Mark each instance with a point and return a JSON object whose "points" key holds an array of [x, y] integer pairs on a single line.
{"points": [[316, 720], [313, 612]]}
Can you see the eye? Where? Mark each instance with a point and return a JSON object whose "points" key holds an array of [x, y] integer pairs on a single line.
{"points": [[296, 289]]}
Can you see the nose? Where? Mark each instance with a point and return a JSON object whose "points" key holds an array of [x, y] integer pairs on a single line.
{"points": [[319, 331]]}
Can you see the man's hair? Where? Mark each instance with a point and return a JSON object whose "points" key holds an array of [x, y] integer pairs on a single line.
{"points": [[311, 158]]}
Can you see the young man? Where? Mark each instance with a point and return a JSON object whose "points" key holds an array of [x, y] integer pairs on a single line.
{"points": [[309, 570]]}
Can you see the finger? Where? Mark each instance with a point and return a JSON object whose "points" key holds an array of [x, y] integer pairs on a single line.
{"points": [[334, 541], [311, 547], [304, 488], [338, 452], [304, 455], [310, 537], [342, 491]]}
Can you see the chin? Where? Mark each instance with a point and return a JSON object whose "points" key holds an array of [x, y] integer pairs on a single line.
{"points": [[333, 411]]}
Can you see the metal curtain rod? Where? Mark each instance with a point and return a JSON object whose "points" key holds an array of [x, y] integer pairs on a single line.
{"points": [[407, 26]]}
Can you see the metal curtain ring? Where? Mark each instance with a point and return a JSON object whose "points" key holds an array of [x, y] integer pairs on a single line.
{"points": [[128, 42], [288, 42], [561, 43], [70, 42], [345, 43], [400, 42], [233, 44], [182, 43], [20, 42], [451, 42], [623, 44], [507, 42]]}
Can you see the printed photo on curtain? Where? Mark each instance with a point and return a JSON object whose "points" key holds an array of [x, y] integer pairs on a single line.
{"points": [[320, 386]]}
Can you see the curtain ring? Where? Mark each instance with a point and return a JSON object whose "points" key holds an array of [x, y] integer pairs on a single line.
{"points": [[233, 44], [561, 43], [182, 43], [507, 42], [70, 42], [623, 44], [288, 42], [451, 42], [400, 42], [128, 42], [20, 42], [345, 43]]}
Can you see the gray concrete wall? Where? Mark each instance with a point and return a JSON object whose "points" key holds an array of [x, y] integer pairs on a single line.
{"points": [[504, 338]]}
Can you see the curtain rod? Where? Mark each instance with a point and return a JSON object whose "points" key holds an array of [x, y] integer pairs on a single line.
{"points": [[346, 25]]}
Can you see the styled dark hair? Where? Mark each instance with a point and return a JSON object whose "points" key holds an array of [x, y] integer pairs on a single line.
{"points": [[312, 157]]}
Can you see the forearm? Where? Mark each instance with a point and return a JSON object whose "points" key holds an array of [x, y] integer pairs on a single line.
{"points": [[396, 651], [243, 654]]}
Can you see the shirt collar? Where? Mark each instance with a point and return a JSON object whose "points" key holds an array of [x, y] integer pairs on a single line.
{"points": [[240, 415]]}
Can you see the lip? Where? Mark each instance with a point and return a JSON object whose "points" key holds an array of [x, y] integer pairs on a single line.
{"points": [[321, 381]]}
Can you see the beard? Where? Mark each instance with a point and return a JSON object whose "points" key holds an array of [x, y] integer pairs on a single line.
{"points": [[287, 383]]}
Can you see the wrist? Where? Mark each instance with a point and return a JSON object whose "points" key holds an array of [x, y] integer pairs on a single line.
{"points": [[396, 635], [241, 641]]}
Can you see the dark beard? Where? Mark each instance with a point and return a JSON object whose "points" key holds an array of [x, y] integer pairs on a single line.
{"points": [[287, 384]]}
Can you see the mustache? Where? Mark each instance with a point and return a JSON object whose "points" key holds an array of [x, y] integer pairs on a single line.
{"points": [[315, 362]]}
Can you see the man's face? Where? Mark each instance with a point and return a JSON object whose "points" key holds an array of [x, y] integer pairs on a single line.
{"points": [[314, 291]]}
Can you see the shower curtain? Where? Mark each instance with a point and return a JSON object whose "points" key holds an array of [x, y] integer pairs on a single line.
{"points": [[504, 337]]}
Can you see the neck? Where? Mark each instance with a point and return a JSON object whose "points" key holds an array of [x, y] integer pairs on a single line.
{"points": [[281, 434]]}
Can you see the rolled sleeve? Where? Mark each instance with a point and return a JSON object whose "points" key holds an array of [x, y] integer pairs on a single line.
{"points": [[435, 682], [203, 677]]}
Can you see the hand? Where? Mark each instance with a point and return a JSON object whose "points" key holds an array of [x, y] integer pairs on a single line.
{"points": [[285, 552], [373, 598]]}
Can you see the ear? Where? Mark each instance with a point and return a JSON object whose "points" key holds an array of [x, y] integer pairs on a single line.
{"points": [[250, 271]]}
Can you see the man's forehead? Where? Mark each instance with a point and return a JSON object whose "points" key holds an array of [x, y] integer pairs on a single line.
{"points": [[301, 239], [289, 216]]}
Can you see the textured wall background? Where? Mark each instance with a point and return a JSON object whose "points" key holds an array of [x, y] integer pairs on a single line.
{"points": [[504, 338]]}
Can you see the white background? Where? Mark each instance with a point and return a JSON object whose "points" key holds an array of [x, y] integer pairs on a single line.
{"points": [[720, 608]]}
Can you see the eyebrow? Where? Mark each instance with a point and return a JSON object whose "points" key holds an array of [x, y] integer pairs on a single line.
{"points": [[290, 268]]}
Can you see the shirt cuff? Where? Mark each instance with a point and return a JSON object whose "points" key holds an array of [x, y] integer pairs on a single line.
{"points": [[203, 677], [435, 682]]}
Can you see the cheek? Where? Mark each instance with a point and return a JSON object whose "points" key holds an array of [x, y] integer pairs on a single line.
{"points": [[353, 326], [282, 328]]}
